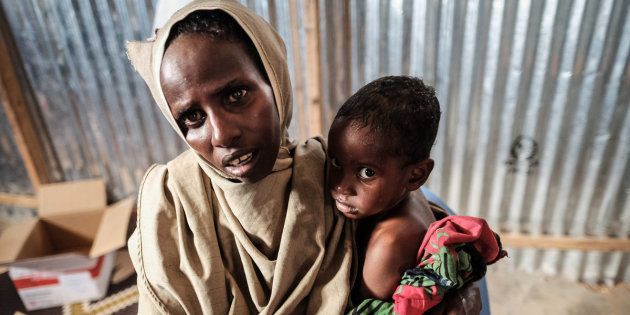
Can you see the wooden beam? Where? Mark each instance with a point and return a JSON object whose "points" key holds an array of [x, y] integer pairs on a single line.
{"points": [[313, 73], [15, 93], [18, 200], [298, 82], [565, 242]]}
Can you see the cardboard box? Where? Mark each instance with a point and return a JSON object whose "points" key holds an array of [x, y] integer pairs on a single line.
{"points": [[65, 254], [61, 279]]}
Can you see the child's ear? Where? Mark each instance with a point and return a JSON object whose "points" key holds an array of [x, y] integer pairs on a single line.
{"points": [[419, 173]]}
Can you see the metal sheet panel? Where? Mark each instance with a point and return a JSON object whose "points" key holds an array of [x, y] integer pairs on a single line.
{"points": [[97, 111], [12, 171], [534, 134]]}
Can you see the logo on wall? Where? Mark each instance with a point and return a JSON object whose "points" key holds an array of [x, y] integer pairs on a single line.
{"points": [[523, 155]]}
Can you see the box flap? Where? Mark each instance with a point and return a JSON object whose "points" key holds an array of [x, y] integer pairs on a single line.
{"points": [[23, 240], [58, 263], [112, 233], [73, 230], [71, 197]]}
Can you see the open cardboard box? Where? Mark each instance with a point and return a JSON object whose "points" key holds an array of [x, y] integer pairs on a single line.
{"points": [[66, 254]]}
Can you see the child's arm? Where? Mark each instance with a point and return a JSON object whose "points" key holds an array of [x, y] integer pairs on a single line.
{"points": [[387, 257]]}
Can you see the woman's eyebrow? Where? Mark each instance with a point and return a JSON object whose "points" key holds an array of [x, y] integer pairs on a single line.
{"points": [[179, 111], [227, 86]]}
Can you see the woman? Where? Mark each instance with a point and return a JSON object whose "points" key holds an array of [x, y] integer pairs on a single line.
{"points": [[240, 223]]}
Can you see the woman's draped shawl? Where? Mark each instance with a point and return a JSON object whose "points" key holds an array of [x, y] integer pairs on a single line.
{"points": [[205, 244]]}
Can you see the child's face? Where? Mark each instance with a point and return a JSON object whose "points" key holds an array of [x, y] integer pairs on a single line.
{"points": [[223, 104], [363, 178]]}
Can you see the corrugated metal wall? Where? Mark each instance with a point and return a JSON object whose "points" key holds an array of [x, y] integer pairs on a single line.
{"points": [[97, 110], [13, 176], [535, 134], [535, 95]]}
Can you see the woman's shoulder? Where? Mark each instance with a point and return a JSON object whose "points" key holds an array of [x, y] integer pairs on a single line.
{"points": [[155, 230], [182, 163], [314, 146], [162, 183], [172, 170], [309, 157]]}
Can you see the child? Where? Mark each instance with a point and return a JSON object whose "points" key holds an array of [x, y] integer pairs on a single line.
{"points": [[379, 145]]}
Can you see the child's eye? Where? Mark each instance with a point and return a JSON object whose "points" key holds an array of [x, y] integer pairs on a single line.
{"points": [[334, 162], [366, 173], [192, 118], [236, 96]]}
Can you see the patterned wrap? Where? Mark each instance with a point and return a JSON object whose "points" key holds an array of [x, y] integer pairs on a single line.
{"points": [[455, 251]]}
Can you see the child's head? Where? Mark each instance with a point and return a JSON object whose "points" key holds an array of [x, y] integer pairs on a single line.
{"points": [[379, 145]]}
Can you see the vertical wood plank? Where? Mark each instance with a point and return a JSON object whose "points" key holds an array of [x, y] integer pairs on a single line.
{"points": [[298, 82], [15, 93], [313, 74]]}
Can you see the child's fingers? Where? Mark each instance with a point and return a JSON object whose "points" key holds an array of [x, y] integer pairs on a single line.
{"points": [[466, 300]]}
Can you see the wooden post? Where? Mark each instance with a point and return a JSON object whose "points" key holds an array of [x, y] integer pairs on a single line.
{"points": [[298, 82], [603, 244], [313, 73], [15, 93]]}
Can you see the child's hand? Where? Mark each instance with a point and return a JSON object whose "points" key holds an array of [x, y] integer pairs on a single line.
{"points": [[466, 300]]}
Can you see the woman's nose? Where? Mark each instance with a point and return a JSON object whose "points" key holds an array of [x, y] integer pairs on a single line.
{"points": [[225, 131]]}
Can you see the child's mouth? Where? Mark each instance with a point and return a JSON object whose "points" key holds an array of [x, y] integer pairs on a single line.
{"points": [[346, 208]]}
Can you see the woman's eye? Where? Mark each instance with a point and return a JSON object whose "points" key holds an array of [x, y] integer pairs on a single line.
{"points": [[236, 96], [192, 118], [366, 173], [334, 162]]}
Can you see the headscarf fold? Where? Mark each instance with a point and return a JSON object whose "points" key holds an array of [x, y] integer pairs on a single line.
{"points": [[206, 244]]}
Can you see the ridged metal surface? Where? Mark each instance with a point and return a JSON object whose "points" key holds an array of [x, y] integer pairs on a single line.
{"points": [[535, 129], [14, 178], [535, 98], [97, 110]]}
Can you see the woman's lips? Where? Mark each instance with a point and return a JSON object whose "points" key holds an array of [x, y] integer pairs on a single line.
{"points": [[243, 159], [345, 208], [241, 163]]}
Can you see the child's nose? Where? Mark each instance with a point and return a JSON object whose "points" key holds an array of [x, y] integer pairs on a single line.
{"points": [[344, 185]]}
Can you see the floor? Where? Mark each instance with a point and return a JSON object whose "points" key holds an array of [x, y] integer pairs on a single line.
{"points": [[513, 292]]}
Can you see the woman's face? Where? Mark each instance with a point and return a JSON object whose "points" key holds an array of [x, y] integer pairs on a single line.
{"points": [[223, 105]]}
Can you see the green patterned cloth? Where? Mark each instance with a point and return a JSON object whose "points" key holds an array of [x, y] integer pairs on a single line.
{"points": [[455, 251]]}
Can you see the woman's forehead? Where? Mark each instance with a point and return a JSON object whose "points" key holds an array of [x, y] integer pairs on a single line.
{"points": [[266, 44]]}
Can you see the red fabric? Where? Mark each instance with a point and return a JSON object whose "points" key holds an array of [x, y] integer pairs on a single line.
{"points": [[461, 229], [448, 232]]}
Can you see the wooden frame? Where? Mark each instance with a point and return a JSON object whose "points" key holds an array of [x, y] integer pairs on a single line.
{"points": [[18, 200], [298, 83], [566, 242], [313, 63], [16, 93]]}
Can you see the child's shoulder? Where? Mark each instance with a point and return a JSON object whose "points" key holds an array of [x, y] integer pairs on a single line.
{"points": [[408, 225]]}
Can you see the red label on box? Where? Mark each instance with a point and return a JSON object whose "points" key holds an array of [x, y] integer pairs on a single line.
{"points": [[36, 281]]}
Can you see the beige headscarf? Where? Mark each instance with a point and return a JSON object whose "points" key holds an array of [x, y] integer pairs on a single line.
{"points": [[205, 244]]}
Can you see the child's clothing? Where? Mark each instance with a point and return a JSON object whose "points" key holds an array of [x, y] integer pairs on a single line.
{"points": [[455, 251]]}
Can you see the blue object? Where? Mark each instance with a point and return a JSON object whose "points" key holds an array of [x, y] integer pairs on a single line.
{"points": [[483, 286]]}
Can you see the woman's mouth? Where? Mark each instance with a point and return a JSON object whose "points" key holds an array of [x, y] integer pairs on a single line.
{"points": [[345, 208], [243, 159], [240, 164]]}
